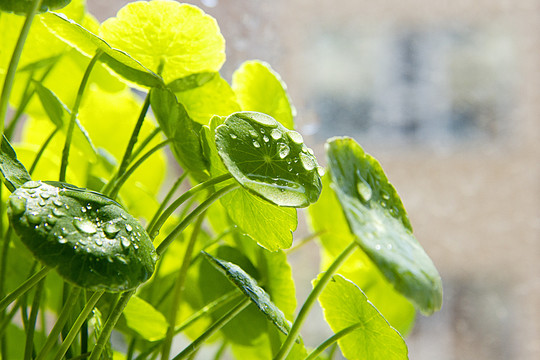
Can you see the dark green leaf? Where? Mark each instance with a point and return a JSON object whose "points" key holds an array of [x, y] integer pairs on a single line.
{"points": [[14, 173], [22, 6], [269, 160], [345, 305], [88, 44], [177, 125], [380, 224], [90, 239], [249, 287]]}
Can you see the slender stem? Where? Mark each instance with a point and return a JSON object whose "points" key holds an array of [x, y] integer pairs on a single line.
{"points": [[83, 316], [304, 241], [132, 141], [74, 112], [7, 318], [221, 350], [84, 327], [110, 324], [192, 215], [179, 287], [185, 196], [212, 329], [311, 299], [332, 340], [129, 172], [42, 150], [4, 259], [14, 62], [24, 287], [131, 348], [168, 197], [30, 329], [62, 318], [145, 142]]}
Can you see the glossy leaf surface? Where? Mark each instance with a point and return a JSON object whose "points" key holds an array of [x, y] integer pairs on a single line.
{"points": [[269, 160], [88, 43], [13, 171], [345, 305], [249, 287], [380, 224], [179, 38], [259, 88], [90, 239], [327, 218]]}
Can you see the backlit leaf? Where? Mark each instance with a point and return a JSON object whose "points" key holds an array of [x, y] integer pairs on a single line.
{"points": [[145, 320], [259, 88], [13, 171], [179, 38], [380, 224], [345, 305]]}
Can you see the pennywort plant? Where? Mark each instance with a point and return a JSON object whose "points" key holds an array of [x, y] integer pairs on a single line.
{"points": [[93, 241]]}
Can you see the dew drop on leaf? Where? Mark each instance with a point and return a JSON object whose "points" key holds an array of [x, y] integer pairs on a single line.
{"points": [[284, 150], [307, 162], [266, 138], [320, 170], [34, 218], [253, 134], [128, 228], [57, 202], [275, 134], [256, 144], [18, 205], [85, 226], [110, 230], [31, 185], [363, 188], [233, 136], [295, 137]]}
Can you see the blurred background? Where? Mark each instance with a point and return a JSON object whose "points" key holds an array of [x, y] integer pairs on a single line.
{"points": [[447, 96]]}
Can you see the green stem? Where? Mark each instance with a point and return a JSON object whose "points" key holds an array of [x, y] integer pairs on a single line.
{"points": [[14, 62], [131, 348], [83, 316], [221, 350], [30, 330], [4, 259], [145, 142], [62, 318], [24, 287], [154, 230], [332, 340], [132, 141], [42, 150], [222, 321], [7, 318], [311, 299], [110, 324], [167, 199], [84, 328], [192, 215], [129, 172], [74, 112], [304, 241], [179, 287]]}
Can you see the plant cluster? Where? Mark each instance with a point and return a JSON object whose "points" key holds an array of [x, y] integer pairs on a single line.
{"points": [[83, 190]]}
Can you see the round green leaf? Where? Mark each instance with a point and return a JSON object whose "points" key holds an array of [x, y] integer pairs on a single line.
{"points": [[90, 239], [345, 305], [22, 6], [268, 159], [259, 88], [380, 224], [180, 38]]}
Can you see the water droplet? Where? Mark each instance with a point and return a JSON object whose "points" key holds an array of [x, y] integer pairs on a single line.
{"points": [[266, 138], [264, 119], [377, 247], [67, 207], [320, 170], [51, 219], [18, 205], [135, 246], [275, 134], [45, 195], [62, 240], [31, 192], [383, 204], [34, 218], [58, 212], [64, 231], [129, 228], [89, 207], [233, 136], [385, 196], [110, 229], [389, 246], [363, 188], [121, 259], [83, 209], [123, 216], [295, 137], [99, 242], [32, 184], [42, 203], [125, 242], [84, 226], [57, 202], [308, 162], [253, 134], [284, 150], [256, 144]]}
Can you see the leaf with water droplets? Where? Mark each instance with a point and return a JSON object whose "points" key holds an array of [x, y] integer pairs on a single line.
{"points": [[380, 224], [259, 88], [249, 287], [280, 170], [90, 239], [14, 174], [373, 337]]}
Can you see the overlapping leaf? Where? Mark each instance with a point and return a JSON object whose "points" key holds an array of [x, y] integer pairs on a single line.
{"points": [[379, 222], [345, 305]]}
